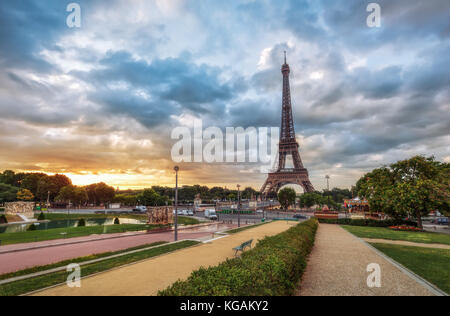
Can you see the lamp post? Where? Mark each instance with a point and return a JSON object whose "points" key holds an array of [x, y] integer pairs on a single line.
{"points": [[176, 201], [239, 205], [328, 187]]}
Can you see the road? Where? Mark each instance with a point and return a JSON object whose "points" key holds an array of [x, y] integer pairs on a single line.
{"points": [[253, 219]]}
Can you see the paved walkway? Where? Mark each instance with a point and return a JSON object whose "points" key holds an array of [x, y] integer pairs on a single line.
{"points": [[85, 246], [406, 243], [338, 267], [148, 277]]}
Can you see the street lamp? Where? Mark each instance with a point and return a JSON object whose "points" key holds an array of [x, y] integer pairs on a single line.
{"points": [[328, 187], [239, 205], [176, 201]]}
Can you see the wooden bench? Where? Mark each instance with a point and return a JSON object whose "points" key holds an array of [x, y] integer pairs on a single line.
{"points": [[243, 246]]}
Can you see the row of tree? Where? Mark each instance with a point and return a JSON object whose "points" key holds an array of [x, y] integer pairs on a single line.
{"points": [[333, 199], [40, 187]]}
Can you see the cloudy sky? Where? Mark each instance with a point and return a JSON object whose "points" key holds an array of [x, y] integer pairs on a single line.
{"points": [[99, 102]]}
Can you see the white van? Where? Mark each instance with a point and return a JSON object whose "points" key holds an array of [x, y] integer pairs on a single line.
{"points": [[211, 214]]}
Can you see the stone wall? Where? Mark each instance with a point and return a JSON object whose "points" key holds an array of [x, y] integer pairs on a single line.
{"points": [[22, 208], [160, 215]]}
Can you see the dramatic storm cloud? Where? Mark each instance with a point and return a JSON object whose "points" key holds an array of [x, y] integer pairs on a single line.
{"points": [[100, 102]]}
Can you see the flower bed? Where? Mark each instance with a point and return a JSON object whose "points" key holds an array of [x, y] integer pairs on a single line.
{"points": [[405, 228]]}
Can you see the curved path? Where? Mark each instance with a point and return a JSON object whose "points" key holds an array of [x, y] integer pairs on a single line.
{"points": [[150, 276], [89, 245], [338, 267]]}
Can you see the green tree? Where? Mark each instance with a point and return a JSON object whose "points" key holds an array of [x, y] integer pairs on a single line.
{"points": [[8, 193], [125, 199], [287, 197], [308, 200], [150, 198], [31, 182], [52, 184], [412, 187], [71, 193], [8, 177], [99, 193]]}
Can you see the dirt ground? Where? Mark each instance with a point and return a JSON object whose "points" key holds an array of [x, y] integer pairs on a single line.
{"points": [[148, 277]]}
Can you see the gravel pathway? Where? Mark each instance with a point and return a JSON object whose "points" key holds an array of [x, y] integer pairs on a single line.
{"points": [[406, 243], [338, 267]]}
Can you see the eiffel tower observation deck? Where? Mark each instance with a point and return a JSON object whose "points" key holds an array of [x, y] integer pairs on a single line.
{"points": [[288, 146]]}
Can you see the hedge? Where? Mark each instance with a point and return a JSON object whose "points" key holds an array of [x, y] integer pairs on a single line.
{"points": [[368, 222], [41, 217], [273, 268]]}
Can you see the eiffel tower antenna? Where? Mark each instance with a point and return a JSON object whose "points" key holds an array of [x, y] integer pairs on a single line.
{"points": [[288, 146]]}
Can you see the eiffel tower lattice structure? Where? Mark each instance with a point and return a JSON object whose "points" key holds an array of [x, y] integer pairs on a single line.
{"points": [[288, 146]]}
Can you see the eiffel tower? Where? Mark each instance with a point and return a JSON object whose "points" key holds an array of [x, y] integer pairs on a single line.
{"points": [[288, 146]]}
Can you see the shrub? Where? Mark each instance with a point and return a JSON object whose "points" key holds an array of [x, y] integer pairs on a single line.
{"points": [[116, 221], [82, 222], [41, 217], [367, 222], [274, 267], [3, 219], [32, 228]]}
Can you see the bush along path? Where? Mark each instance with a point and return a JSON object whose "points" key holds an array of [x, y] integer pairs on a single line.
{"points": [[274, 267]]}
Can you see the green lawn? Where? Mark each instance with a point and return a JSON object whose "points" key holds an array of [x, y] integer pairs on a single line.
{"points": [[386, 233], [70, 232], [62, 216], [431, 264], [74, 216], [29, 285]]}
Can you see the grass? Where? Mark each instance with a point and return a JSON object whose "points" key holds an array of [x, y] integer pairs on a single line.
{"points": [[431, 264], [182, 220], [386, 233], [70, 232], [76, 260], [63, 216], [29, 285], [238, 230]]}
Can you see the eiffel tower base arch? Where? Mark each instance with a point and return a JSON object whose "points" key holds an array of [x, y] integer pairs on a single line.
{"points": [[277, 180]]}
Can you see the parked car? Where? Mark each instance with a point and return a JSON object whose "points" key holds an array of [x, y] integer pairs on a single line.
{"points": [[441, 221], [180, 212], [259, 211], [211, 214], [190, 213], [300, 216], [142, 208]]}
